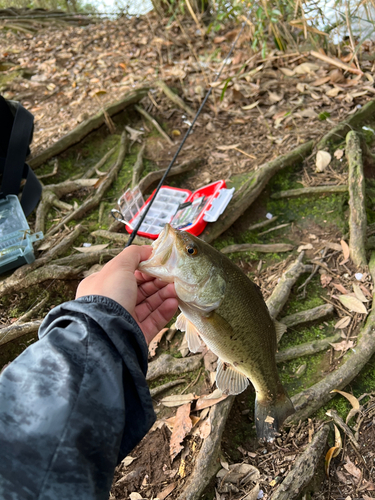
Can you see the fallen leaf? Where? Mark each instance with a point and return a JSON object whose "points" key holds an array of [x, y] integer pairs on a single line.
{"points": [[352, 399], [345, 249], [167, 491], [93, 248], [308, 246], [177, 399], [338, 154], [273, 97], [325, 279], [155, 342], [287, 71], [306, 68], [237, 472], [232, 146], [334, 451], [135, 496], [323, 159], [307, 113], [251, 106], [353, 304], [344, 346], [333, 92], [219, 39], [181, 428], [127, 460], [336, 76], [134, 134], [204, 429], [253, 494], [343, 323], [352, 469], [320, 81], [358, 293], [210, 400], [340, 288]]}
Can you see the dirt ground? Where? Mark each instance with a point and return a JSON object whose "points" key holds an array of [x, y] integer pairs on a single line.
{"points": [[259, 110]]}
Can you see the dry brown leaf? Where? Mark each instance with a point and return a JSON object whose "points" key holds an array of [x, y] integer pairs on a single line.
{"points": [[308, 246], [345, 249], [306, 68], [323, 159], [307, 113], [204, 429], [225, 148], [334, 451], [210, 400], [343, 323], [219, 39], [181, 428], [273, 97], [352, 469], [128, 460], [93, 248], [177, 399], [320, 81], [352, 399], [167, 491], [340, 288], [287, 71], [344, 346], [353, 304], [358, 293], [155, 342], [333, 92], [251, 106], [325, 279]]}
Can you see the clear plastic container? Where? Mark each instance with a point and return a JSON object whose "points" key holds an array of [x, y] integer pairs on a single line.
{"points": [[16, 239]]}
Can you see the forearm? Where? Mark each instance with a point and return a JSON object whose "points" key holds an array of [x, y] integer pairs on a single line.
{"points": [[74, 403]]}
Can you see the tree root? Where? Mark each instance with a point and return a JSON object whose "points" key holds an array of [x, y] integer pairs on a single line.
{"points": [[208, 459], [94, 200], [289, 193], [18, 330], [309, 401], [152, 177], [91, 171], [304, 468], [175, 98], [252, 188], [50, 272], [280, 295], [138, 166], [254, 247], [306, 349], [168, 365], [357, 201], [308, 315], [343, 426], [87, 126], [119, 237], [152, 120], [88, 259], [161, 388]]}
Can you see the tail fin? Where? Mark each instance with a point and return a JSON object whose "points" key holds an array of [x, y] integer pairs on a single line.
{"points": [[269, 417]]}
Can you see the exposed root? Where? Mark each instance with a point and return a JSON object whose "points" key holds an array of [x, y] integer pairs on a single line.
{"points": [[138, 166], [164, 387], [175, 98], [152, 120], [289, 193], [17, 330], [308, 315], [254, 247], [306, 349], [168, 365]]}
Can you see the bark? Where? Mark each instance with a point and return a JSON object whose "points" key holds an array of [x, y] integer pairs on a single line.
{"points": [[306, 349], [357, 201], [175, 98], [88, 259], [120, 238], [94, 200], [252, 188], [138, 166], [255, 247], [309, 401], [308, 315], [152, 177], [309, 190], [152, 120], [280, 295], [14, 331], [304, 468], [168, 365], [87, 126], [161, 388]]}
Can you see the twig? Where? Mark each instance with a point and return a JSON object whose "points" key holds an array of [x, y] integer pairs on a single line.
{"points": [[30, 313], [91, 171], [138, 166], [289, 193], [336, 62], [175, 98], [260, 225], [94, 200], [274, 229], [152, 120], [357, 201], [152, 177], [54, 171], [255, 247], [193, 382]]}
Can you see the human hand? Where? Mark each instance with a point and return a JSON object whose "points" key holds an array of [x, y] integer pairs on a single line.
{"points": [[151, 302]]}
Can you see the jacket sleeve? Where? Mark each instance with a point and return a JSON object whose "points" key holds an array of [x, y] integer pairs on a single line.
{"points": [[74, 404]]}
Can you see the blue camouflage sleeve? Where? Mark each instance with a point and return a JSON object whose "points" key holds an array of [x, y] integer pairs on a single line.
{"points": [[74, 404]]}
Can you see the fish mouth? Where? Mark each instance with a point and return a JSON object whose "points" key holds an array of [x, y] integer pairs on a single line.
{"points": [[164, 256]]}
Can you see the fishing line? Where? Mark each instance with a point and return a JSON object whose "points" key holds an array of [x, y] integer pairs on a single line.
{"points": [[148, 206]]}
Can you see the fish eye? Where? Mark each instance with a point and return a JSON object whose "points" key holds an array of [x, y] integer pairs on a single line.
{"points": [[192, 250]]}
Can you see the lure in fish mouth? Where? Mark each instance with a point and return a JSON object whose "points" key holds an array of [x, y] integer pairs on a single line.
{"points": [[223, 308]]}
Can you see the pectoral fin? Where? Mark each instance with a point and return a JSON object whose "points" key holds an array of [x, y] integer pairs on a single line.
{"points": [[192, 335], [229, 380]]}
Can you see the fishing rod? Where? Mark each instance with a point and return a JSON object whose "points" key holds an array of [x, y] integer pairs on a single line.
{"points": [[148, 206]]}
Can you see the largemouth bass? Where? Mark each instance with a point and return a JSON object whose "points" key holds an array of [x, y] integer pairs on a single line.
{"points": [[223, 308]]}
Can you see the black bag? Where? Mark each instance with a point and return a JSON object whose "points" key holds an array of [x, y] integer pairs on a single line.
{"points": [[16, 132]]}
